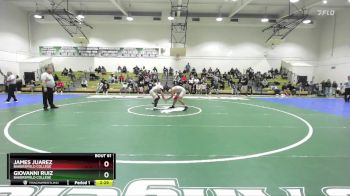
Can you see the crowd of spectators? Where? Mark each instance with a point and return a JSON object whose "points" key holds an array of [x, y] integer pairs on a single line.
{"points": [[205, 81], [211, 81]]}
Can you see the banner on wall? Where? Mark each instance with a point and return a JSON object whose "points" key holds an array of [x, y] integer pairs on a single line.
{"points": [[73, 51]]}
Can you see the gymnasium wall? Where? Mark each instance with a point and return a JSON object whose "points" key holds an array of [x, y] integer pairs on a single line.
{"points": [[14, 44], [325, 45], [334, 57], [223, 46]]}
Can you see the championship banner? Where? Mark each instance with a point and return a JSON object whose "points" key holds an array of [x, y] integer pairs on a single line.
{"points": [[72, 51]]}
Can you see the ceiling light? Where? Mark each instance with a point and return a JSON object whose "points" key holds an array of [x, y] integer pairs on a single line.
{"points": [[219, 19], [80, 17], [307, 21], [294, 1], [129, 18], [324, 1], [264, 20], [38, 16]]}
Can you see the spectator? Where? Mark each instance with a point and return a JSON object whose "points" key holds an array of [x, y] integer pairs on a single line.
{"points": [[323, 88], [171, 71], [70, 72], [99, 87], [124, 70], [136, 70], [84, 83], [188, 68], [210, 71], [155, 70], [341, 89], [286, 90], [103, 70], [64, 72], [19, 84], [183, 79], [191, 84], [59, 87], [234, 88], [98, 69], [194, 72], [328, 88], [291, 88], [334, 88], [71, 75], [121, 78], [5, 79], [217, 72], [276, 90], [165, 72], [56, 78], [264, 83], [196, 82], [250, 86], [111, 79], [32, 86], [225, 76], [105, 87]]}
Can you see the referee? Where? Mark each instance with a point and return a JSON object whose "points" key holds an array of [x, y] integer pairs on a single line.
{"points": [[48, 83], [11, 83], [347, 90]]}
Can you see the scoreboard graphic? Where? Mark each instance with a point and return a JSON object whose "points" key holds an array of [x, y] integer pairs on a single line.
{"points": [[83, 169]]}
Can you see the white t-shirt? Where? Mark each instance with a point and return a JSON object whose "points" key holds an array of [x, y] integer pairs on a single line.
{"points": [[347, 84], [11, 79], [48, 80]]}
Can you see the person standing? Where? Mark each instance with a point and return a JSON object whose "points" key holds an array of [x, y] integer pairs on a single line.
{"points": [[5, 79], [347, 90], [48, 83], [19, 84], [334, 88], [11, 85], [328, 88]]}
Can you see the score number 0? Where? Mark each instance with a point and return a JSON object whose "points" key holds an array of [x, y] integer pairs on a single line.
{"points": [[106, 165]]}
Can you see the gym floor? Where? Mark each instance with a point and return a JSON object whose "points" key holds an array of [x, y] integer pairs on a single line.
{"points": [[219, 142]]}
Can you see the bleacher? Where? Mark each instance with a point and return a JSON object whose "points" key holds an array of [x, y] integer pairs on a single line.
{"points": [[75, 86]]}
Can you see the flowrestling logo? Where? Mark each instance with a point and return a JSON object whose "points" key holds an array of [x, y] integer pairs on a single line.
{"points": [[161, 187]]}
